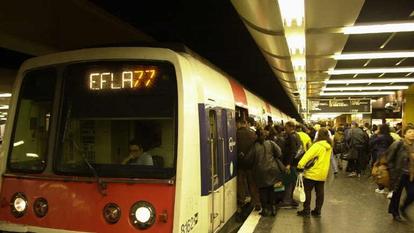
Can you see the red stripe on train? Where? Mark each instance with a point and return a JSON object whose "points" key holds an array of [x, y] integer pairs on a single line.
{"points": [[268, 108], [238, 92], [78, 206]]}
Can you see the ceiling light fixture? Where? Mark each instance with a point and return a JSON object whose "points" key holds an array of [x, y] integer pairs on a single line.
{"points": [[371, 93], [379, 28], [293, 16], [372, 88], [365, 81], [373, 55], [371, 70], [5, 95]]}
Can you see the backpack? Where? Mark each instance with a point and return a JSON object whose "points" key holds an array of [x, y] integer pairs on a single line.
{"points": [[340, 147], [300, 150]]}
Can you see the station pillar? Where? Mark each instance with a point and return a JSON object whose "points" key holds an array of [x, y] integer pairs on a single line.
{"points": [[408, 109]]}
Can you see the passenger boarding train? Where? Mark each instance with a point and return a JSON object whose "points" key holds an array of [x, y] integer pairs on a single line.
{"points": [[72, 117]]}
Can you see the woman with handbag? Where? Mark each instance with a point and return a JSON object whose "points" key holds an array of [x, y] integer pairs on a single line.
{"points": [[400, 159], [378, 144], [315, 164]]}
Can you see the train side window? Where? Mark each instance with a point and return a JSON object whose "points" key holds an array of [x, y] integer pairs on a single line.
{"points": [[213, 141], [31, 129]]}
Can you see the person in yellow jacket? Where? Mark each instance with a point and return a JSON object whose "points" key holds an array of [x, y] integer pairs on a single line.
{"points": [[315, 163], [304, 137]]}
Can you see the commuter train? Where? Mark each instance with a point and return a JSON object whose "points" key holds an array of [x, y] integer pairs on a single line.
{"points": [[71, 118]]}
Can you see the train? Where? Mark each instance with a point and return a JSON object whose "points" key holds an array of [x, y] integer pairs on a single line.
{"points": [[71, 121]]}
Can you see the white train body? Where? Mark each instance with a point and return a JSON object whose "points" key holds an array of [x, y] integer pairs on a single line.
{"points": [[204, 177]]}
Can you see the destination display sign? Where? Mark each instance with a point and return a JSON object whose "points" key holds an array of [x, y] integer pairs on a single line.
{"points": [[340, 106]]}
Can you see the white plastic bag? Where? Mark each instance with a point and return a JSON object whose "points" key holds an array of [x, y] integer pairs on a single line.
{"points": [[299, 192]]}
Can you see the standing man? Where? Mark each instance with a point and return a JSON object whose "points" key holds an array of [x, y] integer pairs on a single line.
{"points": [[245, 139], [292, 144], [358, 141]]}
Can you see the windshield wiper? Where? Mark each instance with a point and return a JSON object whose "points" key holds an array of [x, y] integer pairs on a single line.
{"points": [[102, 186]]}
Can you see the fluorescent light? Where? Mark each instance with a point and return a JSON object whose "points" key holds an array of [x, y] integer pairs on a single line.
{"points": [[317, 116], [296, 43], [371, 70], [33, 155], [357, 93], [292, 11], [18, 143], [293, 16], [3, 118], [364, 88], [359, 81], [379, 28], [5, 95], [373, 55], [4, 106]]}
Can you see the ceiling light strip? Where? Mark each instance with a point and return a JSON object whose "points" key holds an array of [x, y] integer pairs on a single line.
{"points": [[373, 55], [380, 28], [366, 81], [371, 70], [371, 93], [293, 16], [371, 88], [5, 95]]}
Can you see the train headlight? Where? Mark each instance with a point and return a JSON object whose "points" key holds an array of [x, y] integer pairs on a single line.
{"points": [[142, 214], [18, 205], [40, 207], [112, 213]]}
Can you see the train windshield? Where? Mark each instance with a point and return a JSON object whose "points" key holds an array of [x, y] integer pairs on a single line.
{"points": [[31, 130], [113, 119], [120, 118]]}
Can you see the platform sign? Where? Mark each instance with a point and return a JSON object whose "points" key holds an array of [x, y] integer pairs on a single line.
{"points": [[346, 106]]}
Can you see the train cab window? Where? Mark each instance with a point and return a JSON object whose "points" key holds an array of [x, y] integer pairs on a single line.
{"points": [[99, 121], [31, 130]]}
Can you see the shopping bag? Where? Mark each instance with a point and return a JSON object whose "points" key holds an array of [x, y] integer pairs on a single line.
{"points": [[299, 191]]}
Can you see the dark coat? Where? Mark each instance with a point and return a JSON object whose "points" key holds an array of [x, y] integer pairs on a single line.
{"points": [[398, 159], [292, 144], [266, 169], [357, 138], [379, 144], [245, 138]]}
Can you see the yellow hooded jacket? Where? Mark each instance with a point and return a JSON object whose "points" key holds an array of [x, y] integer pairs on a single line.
{"points": [[319, 171]]}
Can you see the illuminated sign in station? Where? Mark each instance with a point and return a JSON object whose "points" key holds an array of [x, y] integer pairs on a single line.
{"points": [[340, 106], [125, 79]]}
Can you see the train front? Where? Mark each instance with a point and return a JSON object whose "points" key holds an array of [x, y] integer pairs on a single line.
{"points": [[92, 148]]}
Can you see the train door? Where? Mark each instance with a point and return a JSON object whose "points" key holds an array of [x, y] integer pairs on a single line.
{"points": [[217, 150]]}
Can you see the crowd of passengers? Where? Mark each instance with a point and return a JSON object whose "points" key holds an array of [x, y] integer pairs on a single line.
{"points": [[270, 157]]}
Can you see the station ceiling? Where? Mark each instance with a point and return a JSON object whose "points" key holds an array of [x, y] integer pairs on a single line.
{"points": [[223, 32]]}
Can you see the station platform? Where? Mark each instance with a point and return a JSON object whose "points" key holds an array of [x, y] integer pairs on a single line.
{"points": [[351, 205]]}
